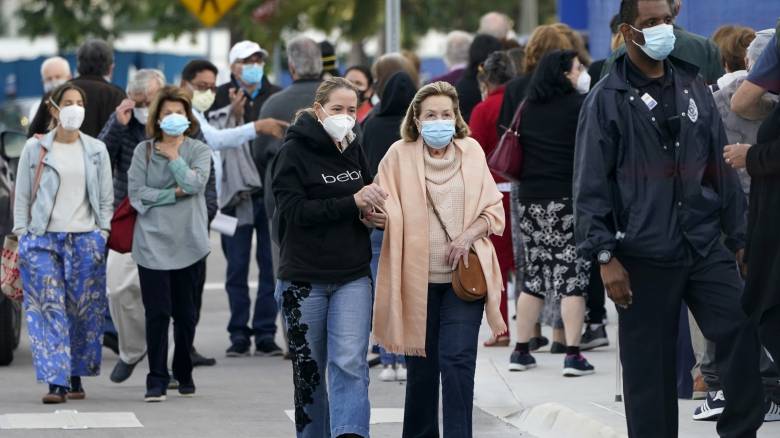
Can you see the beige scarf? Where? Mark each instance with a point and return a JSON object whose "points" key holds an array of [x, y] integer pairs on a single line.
{"points": [[400, 305]]}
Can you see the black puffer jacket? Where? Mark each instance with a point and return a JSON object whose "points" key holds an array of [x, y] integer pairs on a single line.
{"points": [[636, 196]]}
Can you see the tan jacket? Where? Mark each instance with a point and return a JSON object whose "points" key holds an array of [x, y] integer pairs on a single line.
{"points": [[400, 306]]}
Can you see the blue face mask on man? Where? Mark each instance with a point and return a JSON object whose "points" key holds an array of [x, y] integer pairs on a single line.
{"points": [[437, 133], [252, 74], [659, 41], [174, 124]]}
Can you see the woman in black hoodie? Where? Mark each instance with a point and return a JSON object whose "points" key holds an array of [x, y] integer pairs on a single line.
{"points": [[327, 204]]}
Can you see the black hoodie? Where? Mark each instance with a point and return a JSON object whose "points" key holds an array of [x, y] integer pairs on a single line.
{"points": [[321, 236], [383, 127]]}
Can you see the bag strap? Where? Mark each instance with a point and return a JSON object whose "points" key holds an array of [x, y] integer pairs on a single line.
{"points": [[436, 213], [517, 118], [37, 180]]}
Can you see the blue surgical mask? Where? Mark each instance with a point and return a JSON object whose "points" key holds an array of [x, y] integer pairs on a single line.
{"points": [[252, 73], [438, 133], [659, 41], [174, 124]]}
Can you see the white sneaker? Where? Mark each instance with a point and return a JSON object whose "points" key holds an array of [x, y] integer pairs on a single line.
{"points": [[772, 412], [400, 373], [388, 374]]}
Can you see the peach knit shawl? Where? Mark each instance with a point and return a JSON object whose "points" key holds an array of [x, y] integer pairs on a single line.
{"points": [[400, 305]]}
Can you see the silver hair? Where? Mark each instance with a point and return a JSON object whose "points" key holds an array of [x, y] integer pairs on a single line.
{"points": [[495, 24], [55, 60], [304, 55], [759, 44], [457, 51], [139, 83]]}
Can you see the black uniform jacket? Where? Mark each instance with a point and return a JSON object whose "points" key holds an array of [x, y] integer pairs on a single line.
{"points": [[639, 197]]}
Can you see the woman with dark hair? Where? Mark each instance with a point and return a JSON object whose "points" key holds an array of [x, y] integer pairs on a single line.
{"points": [[497, 70], [166, 185], [379, 132], [468, 86], [62, 214], [361, 78], [553, 270]]}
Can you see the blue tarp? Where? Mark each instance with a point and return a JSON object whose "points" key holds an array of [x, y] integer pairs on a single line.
{"points": [[23, 78], [698, 16]]}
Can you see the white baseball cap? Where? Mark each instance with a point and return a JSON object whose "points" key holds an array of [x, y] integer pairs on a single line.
{"points": [[245, 49]]}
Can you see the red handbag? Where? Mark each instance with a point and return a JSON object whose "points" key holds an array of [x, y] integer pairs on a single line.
{"points": [[506, 160], [122, 225], [123, 222]]}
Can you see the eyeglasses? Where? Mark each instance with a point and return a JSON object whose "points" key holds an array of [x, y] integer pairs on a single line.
{"points": [[200, 86]]}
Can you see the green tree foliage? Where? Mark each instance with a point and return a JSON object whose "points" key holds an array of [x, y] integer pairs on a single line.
{"points": [[72, 21]]}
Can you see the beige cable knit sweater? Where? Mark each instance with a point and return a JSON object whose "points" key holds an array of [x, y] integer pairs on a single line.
{"points": [[444, 181]]}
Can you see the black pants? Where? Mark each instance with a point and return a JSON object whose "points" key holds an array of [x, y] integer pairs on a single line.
{"points": [[169, 294], [648, 335], [199, 291], [452, 332], [595, 300]]}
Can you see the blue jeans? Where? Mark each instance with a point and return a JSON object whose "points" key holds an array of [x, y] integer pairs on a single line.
{"points": [[237, 251], [376, 249], [452, 331], [328, 327]]}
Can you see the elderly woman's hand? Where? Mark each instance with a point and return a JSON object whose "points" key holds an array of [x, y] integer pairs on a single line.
{"points": [[736, 155], [370, 196], [459, 249]]}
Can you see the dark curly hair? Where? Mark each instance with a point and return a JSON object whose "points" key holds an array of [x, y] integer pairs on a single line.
{"points": [[549, 79], [497, 69]]}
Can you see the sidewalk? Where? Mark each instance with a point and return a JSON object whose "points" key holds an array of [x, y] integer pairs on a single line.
{"points": [[546, 404]]}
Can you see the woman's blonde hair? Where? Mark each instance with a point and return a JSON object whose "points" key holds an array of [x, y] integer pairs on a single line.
{"points": [[322, 95], [409, 131], [544, 40]]}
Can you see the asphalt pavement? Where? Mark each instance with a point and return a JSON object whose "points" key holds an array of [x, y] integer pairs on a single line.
{"points": [[239, 397]]}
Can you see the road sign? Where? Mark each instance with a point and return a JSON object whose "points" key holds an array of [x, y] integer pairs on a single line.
{"points": [[208, 11]]}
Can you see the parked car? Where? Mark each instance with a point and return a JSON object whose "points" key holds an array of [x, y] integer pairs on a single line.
{"points": [[11, 145]]}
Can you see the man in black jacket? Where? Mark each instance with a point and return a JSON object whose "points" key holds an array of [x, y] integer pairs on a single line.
{"points": [[652, 196], [95, 61]]}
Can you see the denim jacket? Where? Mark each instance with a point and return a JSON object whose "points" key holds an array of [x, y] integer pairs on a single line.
{"points": [[100, 189]]}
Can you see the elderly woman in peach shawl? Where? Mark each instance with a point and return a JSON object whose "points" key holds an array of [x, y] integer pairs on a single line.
{"points": [[416, 311]]}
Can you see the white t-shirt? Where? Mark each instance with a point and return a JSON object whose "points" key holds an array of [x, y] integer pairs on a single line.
{"points": [[72, 212]]}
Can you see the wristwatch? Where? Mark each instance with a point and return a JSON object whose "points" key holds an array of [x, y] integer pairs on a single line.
{"points": [[604, 256]]}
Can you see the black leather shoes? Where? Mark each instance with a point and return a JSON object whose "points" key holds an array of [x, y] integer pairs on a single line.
{"points": [[122, 371]]}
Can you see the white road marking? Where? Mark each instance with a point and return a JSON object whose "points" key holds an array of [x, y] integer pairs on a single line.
{"points": [[69, 419]]}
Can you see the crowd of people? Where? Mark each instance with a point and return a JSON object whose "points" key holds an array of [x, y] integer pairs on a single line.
{"points": [[635, 180]]}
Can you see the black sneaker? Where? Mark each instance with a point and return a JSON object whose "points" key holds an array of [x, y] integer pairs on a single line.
{"points": [[712, 407], [575, 365], [267, 347], [111, 342], [154, 395], [537, 342], [238, 349], [594, 338], [187, 390], [557, 348], [198, 360], [122, 371], [521, 361]]}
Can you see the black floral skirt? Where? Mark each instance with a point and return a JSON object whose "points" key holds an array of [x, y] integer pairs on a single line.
{"points": [[552, 267]]}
